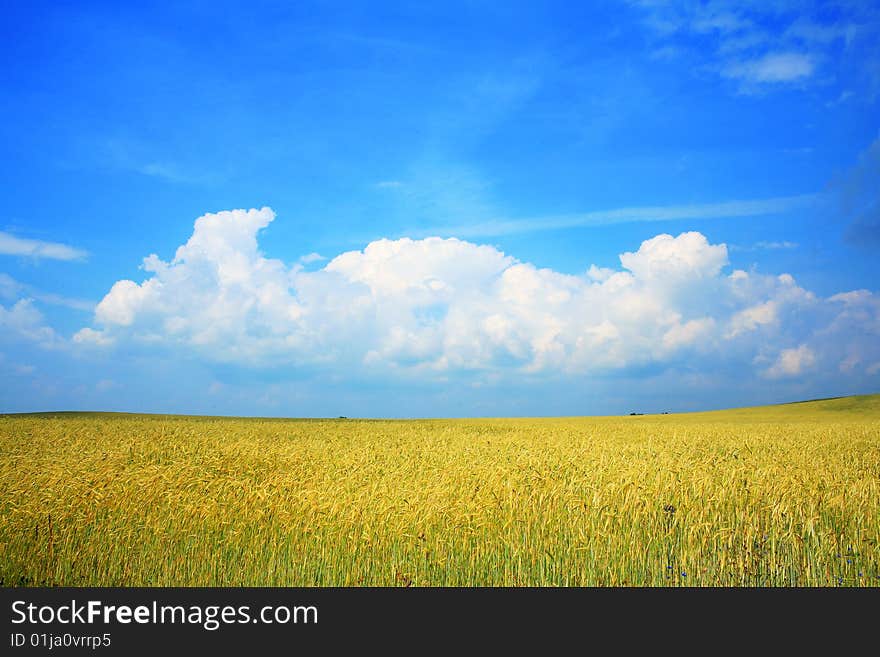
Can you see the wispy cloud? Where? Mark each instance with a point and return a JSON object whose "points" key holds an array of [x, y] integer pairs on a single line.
{"points": [[141, 157], [722, 21], [859, 198], [763, 246], [311, 257], [727, 209], [20, 246], [810, 32], [766, 46], [773, 67], [776, 245], [13, 289], [173, 173], [57, 300]]}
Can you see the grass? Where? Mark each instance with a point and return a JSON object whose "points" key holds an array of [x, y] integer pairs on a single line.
{"points": [[784, 495]]}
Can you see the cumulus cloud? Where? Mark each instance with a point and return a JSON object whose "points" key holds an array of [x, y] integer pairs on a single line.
{"points": [[753, 317], [670, 258], [88, 336], [792, 362], [438, 306]]}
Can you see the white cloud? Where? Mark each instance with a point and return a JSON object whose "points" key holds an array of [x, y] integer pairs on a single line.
{"points": [[89, 336], [770, 45], [776, 245], [811, 32], [792, 362], [437, 306], [22, 321], [722, 21], [130, 154], [12, 245], [599, 274], [126, 298], [723, 210], [13, 289], [105, 385], [173, 173], [765, 246], [9, 287], [665, 257], [311, 257], [849, 363], [753, 317], [773, 68], [688, 333]]}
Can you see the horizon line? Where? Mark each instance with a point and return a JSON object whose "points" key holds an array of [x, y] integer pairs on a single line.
{"points": [[416, 419]]}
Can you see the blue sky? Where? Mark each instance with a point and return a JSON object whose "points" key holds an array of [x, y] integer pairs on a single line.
{"points": [[422, 209]]}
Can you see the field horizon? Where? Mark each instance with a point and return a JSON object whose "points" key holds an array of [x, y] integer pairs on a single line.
{"points": [[870, 398]]}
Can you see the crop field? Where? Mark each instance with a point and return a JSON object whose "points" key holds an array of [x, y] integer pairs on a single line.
{"points": [[785, 495]]}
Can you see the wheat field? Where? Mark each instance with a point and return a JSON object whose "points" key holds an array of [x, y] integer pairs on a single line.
{"points": [[785, 495]]}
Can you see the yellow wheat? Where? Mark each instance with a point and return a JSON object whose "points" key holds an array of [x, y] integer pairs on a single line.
{"points": [[775, 496]]}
